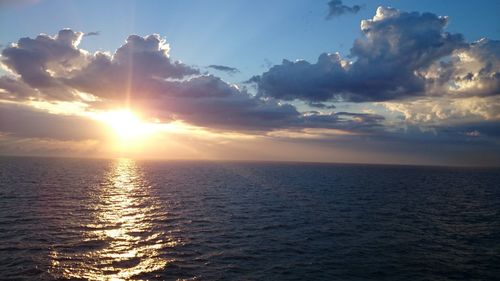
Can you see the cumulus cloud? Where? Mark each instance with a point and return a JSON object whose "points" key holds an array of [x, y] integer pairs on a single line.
{"points": [[127, 73], [444, 110], [471, 71], [337, 8], [303, 80], [141, 74], [58, 69], [441, 87], [402, 55], [223, 68], [38, 60]]}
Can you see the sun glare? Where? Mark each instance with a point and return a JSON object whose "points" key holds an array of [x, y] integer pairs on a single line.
{"points": [[126, 125]]}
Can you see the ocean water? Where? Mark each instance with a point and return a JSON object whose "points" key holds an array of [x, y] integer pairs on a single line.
{"points": [[122, 219]]}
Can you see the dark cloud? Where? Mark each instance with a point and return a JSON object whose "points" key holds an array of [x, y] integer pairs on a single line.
{"points": [[392, 61], [92, 33], [223, 68], [209, 102], [321, 105], [337, 8], [396, 46], [303, 80]]}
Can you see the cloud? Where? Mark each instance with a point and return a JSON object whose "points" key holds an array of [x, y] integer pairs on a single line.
{"points": [[58, 69], [38, 60], [392, 61], [471, 71], [92, 33], [41, 60], [442, 110], [321, 105], [445, 90], [223, 68], [336, 8], [141, 60], [27, 122], [15, 89], [141, 74], [209, 102], [303, 80], [344, 120]]}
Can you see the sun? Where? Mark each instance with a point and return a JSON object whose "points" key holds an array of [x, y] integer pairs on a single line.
{"points": [[126, 125]]}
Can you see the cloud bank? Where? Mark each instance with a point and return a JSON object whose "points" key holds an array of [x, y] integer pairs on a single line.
{"points": [[141, 74]]}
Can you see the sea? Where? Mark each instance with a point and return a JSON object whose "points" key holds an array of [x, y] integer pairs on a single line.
{"points": [[124, 219]]}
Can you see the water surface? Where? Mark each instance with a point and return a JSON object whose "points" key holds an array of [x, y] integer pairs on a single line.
{"points": [[147, 220]]}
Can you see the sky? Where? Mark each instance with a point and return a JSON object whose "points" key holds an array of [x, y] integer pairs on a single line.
{"points": [[399, 82]]}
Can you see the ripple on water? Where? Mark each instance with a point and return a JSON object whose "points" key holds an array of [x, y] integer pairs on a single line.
{"points": [[121, 220]]}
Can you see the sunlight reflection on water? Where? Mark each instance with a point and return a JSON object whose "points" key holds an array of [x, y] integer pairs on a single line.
{"points": [[121, 241]]}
